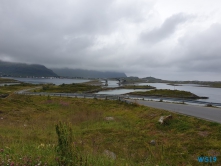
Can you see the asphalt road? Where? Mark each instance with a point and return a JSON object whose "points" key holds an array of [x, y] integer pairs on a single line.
{"points": [[208, 113]]}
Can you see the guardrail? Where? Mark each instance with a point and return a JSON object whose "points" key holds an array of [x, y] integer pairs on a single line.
{"points": [[121, 97]]}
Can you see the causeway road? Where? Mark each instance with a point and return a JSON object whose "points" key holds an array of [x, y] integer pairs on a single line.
{"points": [[208, 113]]}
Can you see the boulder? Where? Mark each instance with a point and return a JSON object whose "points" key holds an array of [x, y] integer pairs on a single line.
{"points": [[153, 142], [110, 154], [165, 119], [109, 118]]}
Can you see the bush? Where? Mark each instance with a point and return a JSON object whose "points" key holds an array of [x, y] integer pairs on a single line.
{"points": [[65, 149]]}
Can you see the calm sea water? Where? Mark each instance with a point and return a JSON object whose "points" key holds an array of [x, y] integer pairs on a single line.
{"points": [[55, 81], [214, 94]]}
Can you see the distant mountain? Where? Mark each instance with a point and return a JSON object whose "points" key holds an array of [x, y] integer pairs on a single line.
{"points": [[65, 72], [22, 69]]}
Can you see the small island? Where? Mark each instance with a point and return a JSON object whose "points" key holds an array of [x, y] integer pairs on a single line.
{"points": [[174, 84], [168, 93], [7, 80], [68, 88]]}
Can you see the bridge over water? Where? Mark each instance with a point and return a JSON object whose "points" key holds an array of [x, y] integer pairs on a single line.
{"points": [[120, 80]]}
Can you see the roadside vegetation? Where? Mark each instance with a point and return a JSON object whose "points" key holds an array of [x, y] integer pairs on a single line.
{"points": [[7, 90], [168, 93], [44, 130]]}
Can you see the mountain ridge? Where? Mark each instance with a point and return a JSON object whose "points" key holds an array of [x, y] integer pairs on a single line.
{"points": [[23, 69], [37, 70]]}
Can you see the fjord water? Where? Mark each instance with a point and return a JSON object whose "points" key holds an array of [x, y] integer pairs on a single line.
{"points": [[214, 94]]}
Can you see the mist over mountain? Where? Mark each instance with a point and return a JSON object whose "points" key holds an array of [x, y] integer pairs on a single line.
{"points": [[23, 70], [66, 72]]}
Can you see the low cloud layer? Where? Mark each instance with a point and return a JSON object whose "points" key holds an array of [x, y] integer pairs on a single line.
{"points": [[142, 38]]}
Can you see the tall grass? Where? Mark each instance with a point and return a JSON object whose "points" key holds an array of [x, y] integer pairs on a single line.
{"points": [[30, 133]]}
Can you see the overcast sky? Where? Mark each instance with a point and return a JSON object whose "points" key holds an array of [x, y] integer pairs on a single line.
{"points": [[167, 39]]}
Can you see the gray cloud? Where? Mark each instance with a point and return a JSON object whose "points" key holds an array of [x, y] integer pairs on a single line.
{"points": [[109, 35], [62, 34], [165, 30], [201, 52]]}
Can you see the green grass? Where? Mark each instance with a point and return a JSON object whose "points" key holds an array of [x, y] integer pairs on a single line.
{"points": [[68, 88], [167, 93], [7, 80], [28, 132], [10, 89]]}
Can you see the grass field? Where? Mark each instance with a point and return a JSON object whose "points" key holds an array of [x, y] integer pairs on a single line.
{"points": [[167, 93], [10, 89], [7, 80], [68, 88], [28, 134]]}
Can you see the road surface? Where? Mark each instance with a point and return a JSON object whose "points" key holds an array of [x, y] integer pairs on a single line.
{"points": [[208, 113]]}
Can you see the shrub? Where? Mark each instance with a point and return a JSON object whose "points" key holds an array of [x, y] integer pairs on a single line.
{"points": [[65, 149]]}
